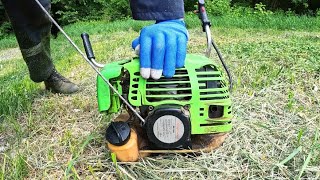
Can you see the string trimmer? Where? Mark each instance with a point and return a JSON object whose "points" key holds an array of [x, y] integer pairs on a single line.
{"points": [[190, 112]]}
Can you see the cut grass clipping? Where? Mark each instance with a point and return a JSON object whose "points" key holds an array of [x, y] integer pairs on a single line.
{"points": [[276, 103]]}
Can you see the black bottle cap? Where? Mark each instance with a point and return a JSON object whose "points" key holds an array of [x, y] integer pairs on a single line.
{"points": [[118, 133]]}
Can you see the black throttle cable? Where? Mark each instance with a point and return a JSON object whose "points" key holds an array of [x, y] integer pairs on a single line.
{"points": [[223, 64], [206, 24]]}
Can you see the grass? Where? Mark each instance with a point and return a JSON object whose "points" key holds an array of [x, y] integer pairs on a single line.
{"points": [[276, 69], [276, 22]]}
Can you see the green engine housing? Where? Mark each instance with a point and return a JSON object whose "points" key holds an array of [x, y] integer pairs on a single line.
{"points": [[199, 87]]}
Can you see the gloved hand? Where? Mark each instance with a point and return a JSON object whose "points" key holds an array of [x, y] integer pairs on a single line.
{"points": [[163, 48]]}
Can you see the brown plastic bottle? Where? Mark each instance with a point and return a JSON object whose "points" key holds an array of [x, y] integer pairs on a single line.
{"points": [[128, 152]]}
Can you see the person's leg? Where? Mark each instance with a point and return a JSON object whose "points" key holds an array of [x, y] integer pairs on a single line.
{"points": [[32, 30]]}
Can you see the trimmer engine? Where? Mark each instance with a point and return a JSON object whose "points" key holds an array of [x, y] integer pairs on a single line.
{"points": [[190, 111], [195, 101]]}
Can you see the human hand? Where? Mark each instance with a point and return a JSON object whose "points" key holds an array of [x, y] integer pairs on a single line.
{"points": [[162, 48]]}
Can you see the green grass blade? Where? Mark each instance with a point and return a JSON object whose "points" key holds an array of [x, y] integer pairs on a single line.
{"points": [[293, 154], [306, 162], [3, 167], [73, 160], [70, 165]]}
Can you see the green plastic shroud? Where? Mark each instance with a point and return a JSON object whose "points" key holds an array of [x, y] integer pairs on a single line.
{"points": [[200, 86]]}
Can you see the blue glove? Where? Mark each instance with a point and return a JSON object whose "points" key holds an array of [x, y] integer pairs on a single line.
{"points": [[163, 48]]}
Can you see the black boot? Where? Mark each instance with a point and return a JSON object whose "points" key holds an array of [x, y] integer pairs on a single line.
{"points": [[56, 83]]}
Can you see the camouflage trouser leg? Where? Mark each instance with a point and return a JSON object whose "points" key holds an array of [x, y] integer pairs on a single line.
{"points": [[32, 30]]}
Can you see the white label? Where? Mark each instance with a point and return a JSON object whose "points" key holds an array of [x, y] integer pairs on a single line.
{"points": [[168, 129]]}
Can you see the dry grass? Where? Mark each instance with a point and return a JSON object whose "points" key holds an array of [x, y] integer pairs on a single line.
{"points": [[276, 107]]}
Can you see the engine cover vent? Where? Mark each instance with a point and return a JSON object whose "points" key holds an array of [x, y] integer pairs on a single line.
{"points": [[176, 88], [211, 83]]}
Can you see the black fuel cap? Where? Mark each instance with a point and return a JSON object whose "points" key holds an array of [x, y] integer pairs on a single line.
{"points": [[118, 133]]}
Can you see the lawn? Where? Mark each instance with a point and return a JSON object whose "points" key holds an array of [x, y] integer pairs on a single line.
{"points": [[276, 106]]}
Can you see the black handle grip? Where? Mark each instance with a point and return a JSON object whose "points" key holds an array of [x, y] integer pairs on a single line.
{"points": [[203, 14], [87, 45]]}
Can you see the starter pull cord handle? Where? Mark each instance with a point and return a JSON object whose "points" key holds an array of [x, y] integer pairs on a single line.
{"points": [[89, 51]]}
